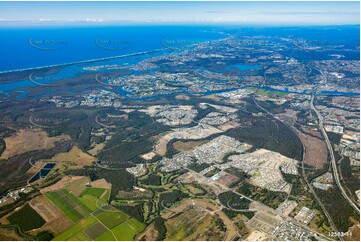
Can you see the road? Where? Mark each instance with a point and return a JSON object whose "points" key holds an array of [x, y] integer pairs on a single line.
{"points": [[303, 170], [332, 156], [310, 187], [263, 206]]}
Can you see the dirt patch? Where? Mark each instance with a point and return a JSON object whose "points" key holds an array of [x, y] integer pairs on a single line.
{"points": [[212, 97], [149, 156], [187, 145], [65, 181], [355, 231], [229, 125], [227, 180], [101, 183], [315, 153], [75, 156], [161, 147], [182, 97], [96, 149], [25, 140], [149, 234], [9, 235], [76, 187], [257, 236]]}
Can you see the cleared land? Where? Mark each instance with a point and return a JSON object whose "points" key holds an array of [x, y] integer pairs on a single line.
{"points": [[214, 210], [149, 234], [76, 156], [25, 140], [194, 223], [315, 150], [187, 145], [78, 186], [96, 149], [71, 181], [101, 183], [9, 234]]}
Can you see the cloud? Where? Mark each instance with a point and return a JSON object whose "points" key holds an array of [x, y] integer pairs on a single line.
{"points": [[216, 12], [309, 13]]}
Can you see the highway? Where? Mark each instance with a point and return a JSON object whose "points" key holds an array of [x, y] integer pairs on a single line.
{"points": [[332, 156], [332, 224], [328, 216]]}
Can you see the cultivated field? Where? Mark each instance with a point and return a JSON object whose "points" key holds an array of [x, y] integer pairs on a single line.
{"points": [[107, 224], [21, 218], [55, 219], [93, 219]]}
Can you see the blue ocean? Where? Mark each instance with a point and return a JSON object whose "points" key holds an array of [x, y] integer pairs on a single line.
{"points": [[38, 46], [28, 47], [41, 45]]}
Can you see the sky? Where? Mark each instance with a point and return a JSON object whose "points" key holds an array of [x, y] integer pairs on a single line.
{"points": [[291, 13]]}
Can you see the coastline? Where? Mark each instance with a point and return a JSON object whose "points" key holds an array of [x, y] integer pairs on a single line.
{"points": [[84, 61]]}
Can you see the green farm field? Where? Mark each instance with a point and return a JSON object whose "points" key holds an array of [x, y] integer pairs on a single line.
{"points": [[113, 218], [128, 230], [68, 205], [76, 228], [93, 191], [21, 218], [125, 227]]}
